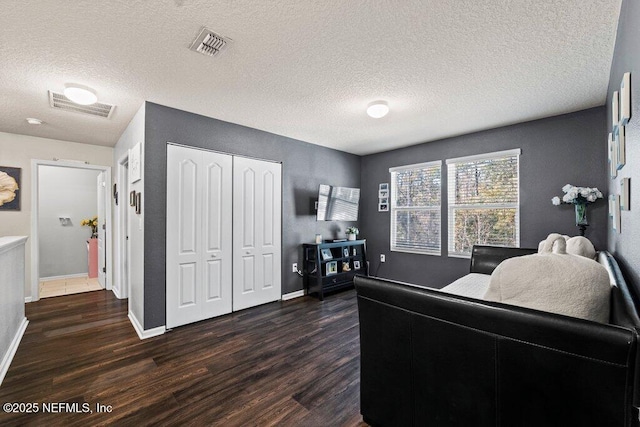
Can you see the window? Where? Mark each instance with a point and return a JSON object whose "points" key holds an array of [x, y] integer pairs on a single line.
{"points": [[483, 196], [415, 208]]}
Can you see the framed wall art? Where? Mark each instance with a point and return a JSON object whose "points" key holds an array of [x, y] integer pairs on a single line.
{"points": [[615, 114], [138, 203], [625, 99], [10, 182], [135, 165], [619, 138], [624, 194], [613, 153]]}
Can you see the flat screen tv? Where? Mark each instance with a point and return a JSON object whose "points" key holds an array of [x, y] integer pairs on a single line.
{"points": [[338, 203]]}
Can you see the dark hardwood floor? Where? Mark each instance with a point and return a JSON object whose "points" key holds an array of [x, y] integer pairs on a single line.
{"points": [[293, 363]]}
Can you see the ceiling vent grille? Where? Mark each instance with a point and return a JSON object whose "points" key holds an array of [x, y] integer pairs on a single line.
{"points": [[61, 102], [209, 43]]}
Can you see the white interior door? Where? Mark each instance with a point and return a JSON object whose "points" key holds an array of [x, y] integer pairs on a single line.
{"points": [[257, 211], [102, 225], [199, 255]]}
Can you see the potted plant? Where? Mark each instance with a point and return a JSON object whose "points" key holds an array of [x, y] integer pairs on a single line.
{"points": [[352, 232]]}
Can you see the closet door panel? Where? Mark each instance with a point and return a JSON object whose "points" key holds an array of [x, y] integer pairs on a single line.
{"points": [[256, 232], [199, 253], [217, 218]]}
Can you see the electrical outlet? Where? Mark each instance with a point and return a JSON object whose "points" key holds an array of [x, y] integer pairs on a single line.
{"points": [[294, 267], [383, 258]]}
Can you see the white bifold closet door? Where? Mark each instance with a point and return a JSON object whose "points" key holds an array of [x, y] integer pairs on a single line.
{"points": [[223, 234], [199, 242], [257, 232]]}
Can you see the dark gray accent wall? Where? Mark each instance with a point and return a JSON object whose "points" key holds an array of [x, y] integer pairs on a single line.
{"points": [[304, 167], [625, 246], [564, 149]]}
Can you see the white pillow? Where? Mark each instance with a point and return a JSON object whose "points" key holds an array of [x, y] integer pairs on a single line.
{"points": [[553, 281]]}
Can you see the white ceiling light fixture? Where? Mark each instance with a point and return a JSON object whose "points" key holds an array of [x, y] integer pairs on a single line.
{"points": [[80, 94], [378, 109], [34, 121]]}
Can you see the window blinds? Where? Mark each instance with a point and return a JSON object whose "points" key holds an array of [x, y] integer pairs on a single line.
{"points": [[415, 208], [483, 201]]}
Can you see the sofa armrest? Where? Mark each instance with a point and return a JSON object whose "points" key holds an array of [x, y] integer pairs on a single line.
{"points": [[484, 259]]}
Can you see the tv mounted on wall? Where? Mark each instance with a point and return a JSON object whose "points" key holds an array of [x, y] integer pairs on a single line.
{"points": [[338, 203]]}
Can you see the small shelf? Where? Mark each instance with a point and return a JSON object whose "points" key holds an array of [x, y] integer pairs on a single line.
{"points": [[325, 263]]}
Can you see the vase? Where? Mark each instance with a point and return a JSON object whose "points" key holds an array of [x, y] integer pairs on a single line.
{"points": [[351, 236], [581, 214]]}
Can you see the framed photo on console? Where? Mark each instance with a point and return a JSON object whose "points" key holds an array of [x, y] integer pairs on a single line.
{"points": [[326, 254], [356, 265], [332, 268]]}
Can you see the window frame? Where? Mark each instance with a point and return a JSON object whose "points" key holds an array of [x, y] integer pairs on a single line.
{"points": [[452, 206], [393, 209]]}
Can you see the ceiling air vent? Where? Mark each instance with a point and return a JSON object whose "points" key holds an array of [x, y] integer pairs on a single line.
{"points": [[209, 43], [59, 101]]}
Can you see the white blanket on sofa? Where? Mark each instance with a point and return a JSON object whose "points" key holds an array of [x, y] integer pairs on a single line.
{"points": [[473, 285]]}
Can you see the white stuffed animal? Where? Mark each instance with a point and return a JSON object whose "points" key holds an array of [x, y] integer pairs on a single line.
{"points": [[553, 281], [577, 245]]}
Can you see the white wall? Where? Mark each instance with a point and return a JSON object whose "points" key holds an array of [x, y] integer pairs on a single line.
{"points": [[17, 151], [65, 192], [133, 134]]}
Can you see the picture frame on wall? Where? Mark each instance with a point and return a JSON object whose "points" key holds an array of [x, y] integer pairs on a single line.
{"points": [[612, 205], [613, 153], [616, 214], [135, 165], [138, 203], [619, 137], [383, 207], [615, 114], [10, 184], [132, 198], [625, 99], [624, 194]]}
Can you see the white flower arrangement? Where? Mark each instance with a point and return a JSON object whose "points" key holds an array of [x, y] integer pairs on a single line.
{"points": [[577, 195]]}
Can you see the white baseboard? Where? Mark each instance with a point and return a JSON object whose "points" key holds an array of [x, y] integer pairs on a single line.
{"points": [[142, 333], [11, 351], [66, 276], [28, 299], [116, 292], [292, 295]]}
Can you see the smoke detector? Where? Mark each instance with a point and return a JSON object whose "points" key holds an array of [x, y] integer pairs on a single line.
{"points": [[61, 102], [209, 43]]}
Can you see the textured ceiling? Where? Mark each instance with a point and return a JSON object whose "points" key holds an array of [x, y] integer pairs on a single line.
{"points": [[308, 69]]}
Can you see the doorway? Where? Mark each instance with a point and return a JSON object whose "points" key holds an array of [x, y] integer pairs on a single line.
{"points": [[56, 218], [122, 276]]}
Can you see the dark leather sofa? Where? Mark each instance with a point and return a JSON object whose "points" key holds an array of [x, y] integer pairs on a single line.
{"points": [[429, 358]]}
